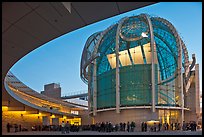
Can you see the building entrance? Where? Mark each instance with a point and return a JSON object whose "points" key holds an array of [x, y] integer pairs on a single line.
{"points": [[169, 116]]}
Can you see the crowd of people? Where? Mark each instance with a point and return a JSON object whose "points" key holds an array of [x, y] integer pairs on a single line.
{"points": [[16, 127], [66, 127], [189, 126], [109, 127]]}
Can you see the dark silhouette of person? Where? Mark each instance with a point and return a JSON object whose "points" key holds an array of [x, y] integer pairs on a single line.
{"points": [[167, 126], [16, 128], [195, 126], [145, 126], [159, 126], [20, 127], [155, 128], [128, 126], [124, 125], [39, 128], [172, 126], [8, 127], [142, 126]]}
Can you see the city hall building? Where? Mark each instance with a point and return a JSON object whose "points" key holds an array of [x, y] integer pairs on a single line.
{"points": [[139, 70]]}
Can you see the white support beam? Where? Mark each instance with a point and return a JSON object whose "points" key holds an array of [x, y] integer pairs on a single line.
{"points": [[89, 89], [152, 60], [117, 80], [67, 5], [180, 79], [197, 88], [95, 90]]}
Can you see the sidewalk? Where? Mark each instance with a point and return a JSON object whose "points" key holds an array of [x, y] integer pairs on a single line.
{"points": [[199, 132]]}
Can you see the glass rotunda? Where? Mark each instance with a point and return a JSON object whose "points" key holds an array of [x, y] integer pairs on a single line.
{"points": [[135, 63]]}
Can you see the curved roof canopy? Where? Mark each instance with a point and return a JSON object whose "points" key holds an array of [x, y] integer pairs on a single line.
{"points": [[28, 25]]}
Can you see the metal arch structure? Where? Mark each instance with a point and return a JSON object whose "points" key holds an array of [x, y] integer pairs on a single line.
{"points": [[152, 59], [117, 78], [86, 60]]}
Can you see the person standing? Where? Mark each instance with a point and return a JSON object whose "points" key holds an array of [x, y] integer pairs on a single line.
{"points": [[128, 126], [195, 126], [159, 126], [172, 126], [8, 127], [67, 125], [63, 126], [124, 126], [167, 126], [184, 126], [145, 126], [155, 128], [16, 127], [132, 126], [20, 127], [142, 126]]}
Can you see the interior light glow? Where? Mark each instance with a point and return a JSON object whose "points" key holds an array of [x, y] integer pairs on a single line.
{"points": [[144, 34]]}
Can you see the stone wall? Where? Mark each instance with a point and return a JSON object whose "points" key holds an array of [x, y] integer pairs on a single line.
{"points": [[137, 115]]}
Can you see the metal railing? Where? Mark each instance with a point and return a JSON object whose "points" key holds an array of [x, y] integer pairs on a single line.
{"points": [[81, 93]]}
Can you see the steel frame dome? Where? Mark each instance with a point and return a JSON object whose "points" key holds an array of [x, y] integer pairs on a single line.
{"points": [[139, 33]]}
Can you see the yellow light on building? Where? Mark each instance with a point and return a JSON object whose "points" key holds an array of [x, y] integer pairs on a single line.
{"points": [[151, 122], [124, 58], [112, 60], [4, 108], [65, 117], [136, 54]]}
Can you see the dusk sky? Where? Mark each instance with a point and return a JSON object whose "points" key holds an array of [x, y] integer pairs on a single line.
{"points": [[59, 60]]}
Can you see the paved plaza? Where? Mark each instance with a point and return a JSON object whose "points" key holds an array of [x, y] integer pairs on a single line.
{"points": [[199, 132]]}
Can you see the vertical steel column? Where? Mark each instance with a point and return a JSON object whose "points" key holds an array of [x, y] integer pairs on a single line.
{"points": [[181, 79], [152, 60], [117, 80], [94, 73], [89, 88], [95, 90], [197, 88]]}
